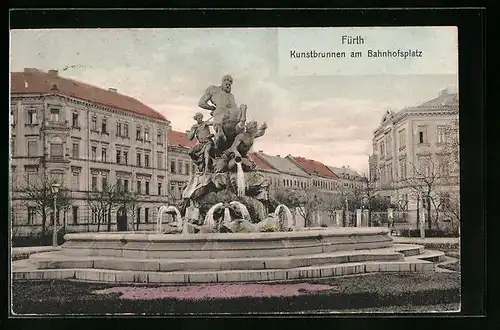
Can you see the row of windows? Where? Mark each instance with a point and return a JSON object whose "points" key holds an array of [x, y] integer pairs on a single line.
{"points": [[441, 168], [385, 146], [143, 133], [121, 184], [180, 167]]}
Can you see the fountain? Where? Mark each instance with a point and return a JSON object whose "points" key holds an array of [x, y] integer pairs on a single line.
{"points": [[252, 249], [288, 215]]}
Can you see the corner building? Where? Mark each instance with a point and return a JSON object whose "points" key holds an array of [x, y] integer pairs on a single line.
{"points": [[84, 137]]}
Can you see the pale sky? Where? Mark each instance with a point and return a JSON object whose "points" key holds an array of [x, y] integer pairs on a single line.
{"points": [[327, 118]]}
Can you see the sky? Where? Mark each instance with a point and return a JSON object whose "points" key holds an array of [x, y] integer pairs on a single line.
{"points": [[329, 118]]}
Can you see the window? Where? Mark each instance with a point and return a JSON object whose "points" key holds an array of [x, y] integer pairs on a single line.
{"points": [[422, 134], [146, 160], [104, 154], [172, 166], [402, 138], [93, 123], [138, 187], [32, 148], [146, 133], [104, 126], [138, 133], [441, 134], [146, 214], [74, 122], [93, 153], [138, 161], [389, 146], [75, 215], [119, 185], [118, 129], [54, 115], [138, 215], [187, 168], [75, 183], [382, 149], [56, 151], [125, 130], [194, 169], [104, 182], [159, 189], [159, 160], [118, 156], [31, 215], [13, 117], [125, 157], [159, 137], [32, 117], [94, 182], [13, 145], [31, 175], [147, 187], [125, 184], [76, 150]]}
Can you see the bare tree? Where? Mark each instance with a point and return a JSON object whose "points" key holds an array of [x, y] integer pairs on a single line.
{"points": [[39, 195], [130, 202], [424, 181], [369, 191], [103, 202]]}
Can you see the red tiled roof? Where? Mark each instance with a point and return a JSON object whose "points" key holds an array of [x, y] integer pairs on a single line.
{"points": [[315, 167], [35, 81], [261, 165], [180, 139]]}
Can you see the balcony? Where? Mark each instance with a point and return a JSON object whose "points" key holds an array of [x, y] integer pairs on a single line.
{"points": [[55, 125]]}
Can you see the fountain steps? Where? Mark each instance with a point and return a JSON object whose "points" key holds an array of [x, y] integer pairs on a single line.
{"points": [[224, 276], [56, 260]]}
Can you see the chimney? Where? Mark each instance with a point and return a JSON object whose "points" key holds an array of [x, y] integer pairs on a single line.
{"points": [[443, 92], [261, 151], [114, 90], [278, 156], [53, 73]]}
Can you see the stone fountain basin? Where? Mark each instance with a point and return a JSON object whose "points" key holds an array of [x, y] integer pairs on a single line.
{"points": [[147, 245]]}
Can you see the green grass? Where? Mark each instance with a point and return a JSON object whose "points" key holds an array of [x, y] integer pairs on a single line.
{"points": [[382, 292]]}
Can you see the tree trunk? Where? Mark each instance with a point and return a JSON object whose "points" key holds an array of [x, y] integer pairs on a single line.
{"points": [[109, 219], [369, 217], [429, 217], [44, 220]]}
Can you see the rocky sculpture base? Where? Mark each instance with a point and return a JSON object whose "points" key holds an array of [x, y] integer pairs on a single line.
{"points": [[207, 189]]}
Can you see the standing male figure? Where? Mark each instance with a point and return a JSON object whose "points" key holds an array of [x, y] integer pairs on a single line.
{"points": [[227, 115], [202, 152]]}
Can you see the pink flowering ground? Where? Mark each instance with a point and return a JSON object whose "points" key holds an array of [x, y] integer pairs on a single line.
{"points": [[200, 292]]}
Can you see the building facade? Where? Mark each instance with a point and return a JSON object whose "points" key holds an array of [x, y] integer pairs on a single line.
{"points": [[349, 179], [181, 168], [414, 143], [84, 137]]}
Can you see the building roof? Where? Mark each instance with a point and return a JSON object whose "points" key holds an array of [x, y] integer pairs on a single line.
{"points": [[180, 139], [314, 167], [35, 81], [340, 171], [281, 164], [261, 164]]}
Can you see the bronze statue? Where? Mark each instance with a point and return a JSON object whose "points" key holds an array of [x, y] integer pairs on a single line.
{"points": [[242, 144], [202, 153], [228, 119]]}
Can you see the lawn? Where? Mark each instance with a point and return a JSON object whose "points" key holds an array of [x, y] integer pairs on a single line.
{"points": [[383, 292]]}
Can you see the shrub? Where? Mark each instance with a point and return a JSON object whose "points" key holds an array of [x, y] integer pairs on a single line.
{"points": [[39, 239], [429, 233]]}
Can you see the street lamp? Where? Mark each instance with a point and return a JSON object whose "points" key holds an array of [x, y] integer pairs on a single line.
{"points": [[55, 190]]}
